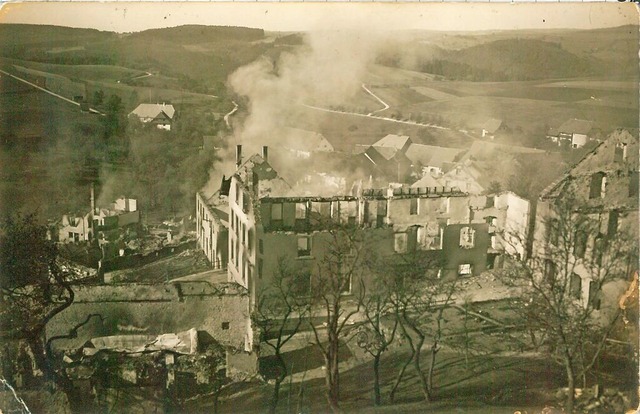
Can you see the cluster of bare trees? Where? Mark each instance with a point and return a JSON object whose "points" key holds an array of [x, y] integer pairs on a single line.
{"points": [[355, 294], [581, 254]]}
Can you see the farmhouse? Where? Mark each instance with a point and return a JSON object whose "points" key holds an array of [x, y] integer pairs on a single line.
{"points": [[574, 133], [468, 176], [490, 127], [159, 115], [388, 155]]}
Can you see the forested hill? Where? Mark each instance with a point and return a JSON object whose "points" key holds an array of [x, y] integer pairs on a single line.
{"points": [[203, 53], [511, 59], [192, 34], [522, 55]]}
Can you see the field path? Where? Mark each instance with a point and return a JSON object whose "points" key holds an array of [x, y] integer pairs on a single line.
{"points": [[95, 111], [226, 117], [382, 118], [386, 106], [146, 75]]}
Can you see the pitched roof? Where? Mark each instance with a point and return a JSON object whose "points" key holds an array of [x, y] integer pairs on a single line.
{"points": [[576, 126], [432, 156], [392, 141], [427, 181], [151, 111], [492, 125], [303, 140], [386, 152]]}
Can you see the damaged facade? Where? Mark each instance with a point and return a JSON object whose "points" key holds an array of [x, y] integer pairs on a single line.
{"points": [[270, 220], [212, 228], [84, 227], [604, 185]]}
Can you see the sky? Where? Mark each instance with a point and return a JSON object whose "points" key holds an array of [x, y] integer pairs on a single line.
{"points": [[136, 16]]}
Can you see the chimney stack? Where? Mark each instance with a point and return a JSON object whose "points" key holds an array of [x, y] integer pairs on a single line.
{"points": [[238, 155], [93, 200], [93, 212], [265, 153]]}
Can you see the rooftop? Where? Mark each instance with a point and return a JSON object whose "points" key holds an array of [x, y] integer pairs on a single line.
{"points": [[302, 140], [150, 111], [492, 125], [576, 126], [433, 156], [393, 141]]}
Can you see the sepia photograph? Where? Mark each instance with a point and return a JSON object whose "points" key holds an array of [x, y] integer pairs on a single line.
{"points": [[292, 208]]}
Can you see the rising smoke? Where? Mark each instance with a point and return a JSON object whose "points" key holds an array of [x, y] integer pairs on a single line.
{"points": [[328, 70]]}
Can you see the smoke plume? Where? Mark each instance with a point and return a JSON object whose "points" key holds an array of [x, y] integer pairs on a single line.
{"points": [[326, 71]]}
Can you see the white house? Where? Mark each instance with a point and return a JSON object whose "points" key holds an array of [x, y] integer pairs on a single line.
{"points": [[160, 115]]}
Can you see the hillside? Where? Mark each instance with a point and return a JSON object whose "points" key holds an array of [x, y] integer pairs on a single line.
{"points": [[522, 55], [204, 34], [204, 54]]}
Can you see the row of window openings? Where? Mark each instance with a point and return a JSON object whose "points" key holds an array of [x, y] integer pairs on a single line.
{"points": [[467, 241], [598, 185], [580, 238], [302, 210]]}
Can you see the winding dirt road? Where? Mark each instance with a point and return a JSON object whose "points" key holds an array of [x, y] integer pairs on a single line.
{"points": [[382, 118], [226, 117], [386, 106]]}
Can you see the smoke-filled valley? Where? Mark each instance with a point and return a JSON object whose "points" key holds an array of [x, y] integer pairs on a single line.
{"points": [[350, 86]]}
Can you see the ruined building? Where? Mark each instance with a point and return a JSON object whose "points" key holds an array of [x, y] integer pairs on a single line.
{"points": [[85, 226], [603, 187], [268, 220]]}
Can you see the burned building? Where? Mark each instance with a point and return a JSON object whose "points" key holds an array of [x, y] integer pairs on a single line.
{"points": [[212, 227], [269, 220], [85, 226], [602, 188]]}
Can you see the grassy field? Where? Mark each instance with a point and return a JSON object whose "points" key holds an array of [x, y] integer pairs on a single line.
{"points": [[38, 174], [93, 72]]}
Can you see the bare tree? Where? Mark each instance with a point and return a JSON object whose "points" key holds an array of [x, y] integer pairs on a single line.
{"points": [[374, 336], [336, 298], [281, 308], [574, 252], [419, 299]]}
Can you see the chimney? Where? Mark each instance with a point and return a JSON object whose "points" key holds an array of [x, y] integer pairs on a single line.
{"points": [[93, 211], [93, 200], [238, 155], [265, 153]]}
